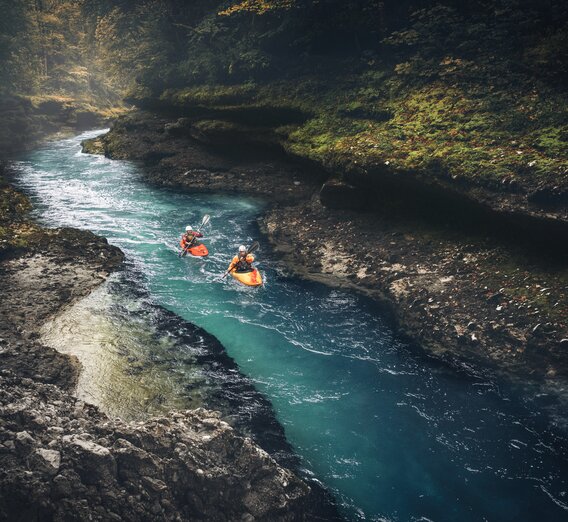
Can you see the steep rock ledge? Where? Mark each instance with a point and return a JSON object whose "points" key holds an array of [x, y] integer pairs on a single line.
{"points": [[173, 157], [462, 298]]}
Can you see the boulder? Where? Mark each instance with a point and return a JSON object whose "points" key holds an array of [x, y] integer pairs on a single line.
{"points": [[95, 462], [46, 460]]}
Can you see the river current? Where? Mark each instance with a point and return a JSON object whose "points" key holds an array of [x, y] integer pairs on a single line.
{"points": [[391, 433]]}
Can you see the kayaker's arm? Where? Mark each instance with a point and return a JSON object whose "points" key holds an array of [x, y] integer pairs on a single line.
{"points": [[233, 264]]}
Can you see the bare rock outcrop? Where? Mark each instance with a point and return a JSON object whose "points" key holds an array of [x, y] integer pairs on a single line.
{"points": [[62, 459]]}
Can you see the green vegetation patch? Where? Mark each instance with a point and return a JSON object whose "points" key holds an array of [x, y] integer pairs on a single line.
{"points": [[510, 136], [211, 95], [15, 233]]}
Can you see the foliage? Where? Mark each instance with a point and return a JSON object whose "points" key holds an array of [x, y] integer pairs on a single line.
{"points": [[467, 90], [257, 6], [46, 50]]}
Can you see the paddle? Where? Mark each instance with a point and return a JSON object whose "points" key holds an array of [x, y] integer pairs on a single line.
{"points": [[251, 249], [204, 222]]}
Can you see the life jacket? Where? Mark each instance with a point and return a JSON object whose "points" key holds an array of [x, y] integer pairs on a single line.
{"points": [[187, 239], [243, 264]]}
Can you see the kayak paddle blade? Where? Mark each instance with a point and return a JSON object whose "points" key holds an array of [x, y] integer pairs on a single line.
{"points": [[253, 247]]}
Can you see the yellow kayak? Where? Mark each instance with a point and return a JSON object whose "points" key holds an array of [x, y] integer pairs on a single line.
{"points": [[250, 278]]}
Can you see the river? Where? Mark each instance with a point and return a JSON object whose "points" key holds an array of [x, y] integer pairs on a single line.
{"points": [[393, 434]]}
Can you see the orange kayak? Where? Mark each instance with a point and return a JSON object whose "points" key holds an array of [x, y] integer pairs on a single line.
{"points": [[251, 278], [199, 250]]}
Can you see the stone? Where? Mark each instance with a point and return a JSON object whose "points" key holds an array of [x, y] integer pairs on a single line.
{"points": [[155, 485], [95, 463], [47, 460], [62, 486], [24, 442]]}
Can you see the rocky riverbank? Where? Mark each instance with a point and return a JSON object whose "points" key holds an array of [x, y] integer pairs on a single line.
{"points": [[470, 291], [464, 298], [60, 457], [63, 459], [176, 154]]}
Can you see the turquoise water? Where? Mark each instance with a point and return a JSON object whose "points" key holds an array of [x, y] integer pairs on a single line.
{"points": [[392, 434]]}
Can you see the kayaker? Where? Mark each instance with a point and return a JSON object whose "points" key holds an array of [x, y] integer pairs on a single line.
{"points": [[242, 262], [188, 239]]}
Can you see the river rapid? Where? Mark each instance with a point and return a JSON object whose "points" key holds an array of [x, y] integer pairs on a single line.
{"points": [[391, 433]]}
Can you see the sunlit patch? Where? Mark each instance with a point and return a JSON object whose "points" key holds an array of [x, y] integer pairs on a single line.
{"points": [[120, 374]]}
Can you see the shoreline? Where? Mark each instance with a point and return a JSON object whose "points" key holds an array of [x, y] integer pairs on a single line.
{"points": [[432, 303]]}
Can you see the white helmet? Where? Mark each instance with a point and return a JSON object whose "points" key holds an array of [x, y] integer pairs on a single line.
{"points": [[189, 228], [242, 248]]}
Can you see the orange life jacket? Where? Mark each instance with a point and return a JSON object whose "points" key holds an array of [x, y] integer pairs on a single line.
{"points": [[242, 263]]}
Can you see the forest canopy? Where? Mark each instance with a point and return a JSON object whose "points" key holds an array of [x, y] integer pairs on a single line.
{"points": [[98, 46]]}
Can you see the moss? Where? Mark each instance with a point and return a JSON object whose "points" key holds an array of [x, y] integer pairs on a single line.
{"points": [[93, 146], [551, 140], [14, 231], [211, 95], [490, 137], [13, 204]]}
